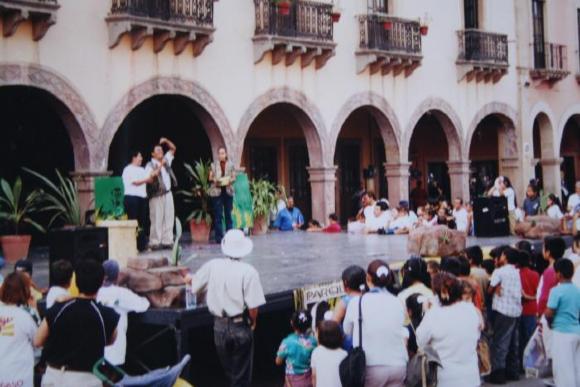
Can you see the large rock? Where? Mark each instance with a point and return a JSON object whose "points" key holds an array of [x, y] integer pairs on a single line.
{"points": [[167, 297], [436, 241], [144, 263], [141, 281], [538, 227], [170, 275]]}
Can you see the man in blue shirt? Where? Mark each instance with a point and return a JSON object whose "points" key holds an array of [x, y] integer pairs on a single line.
{"points": [[289, 218], [562, 314]]}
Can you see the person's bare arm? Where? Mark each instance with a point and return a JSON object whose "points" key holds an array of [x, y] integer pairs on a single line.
{"points": [[314, 377], [113, 337], [171, 145], [41, 334], [253, 317], [339, 312], [549, 314], [279, 361]]}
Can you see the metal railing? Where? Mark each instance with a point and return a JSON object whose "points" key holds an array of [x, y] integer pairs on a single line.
{"points": [[481, 46], [39, 2], [398, 35], [187, 11], [550, 56], [306, 19]]}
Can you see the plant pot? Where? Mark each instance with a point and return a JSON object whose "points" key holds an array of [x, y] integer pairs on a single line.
{"points": [[335, 17], [260, 225], [424, 30], [15, 247], [388, 25], [284, 8], [199, 231]]}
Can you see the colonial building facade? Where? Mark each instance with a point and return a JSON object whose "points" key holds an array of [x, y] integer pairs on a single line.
{"points": [[393, 93]]}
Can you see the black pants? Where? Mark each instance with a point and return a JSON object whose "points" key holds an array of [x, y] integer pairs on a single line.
{"points": [[234, 343], [222, 208], [137, 210], [504, 349]]}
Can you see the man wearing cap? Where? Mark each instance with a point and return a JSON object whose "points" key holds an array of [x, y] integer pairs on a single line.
{"points": [[234, 293], [123, 301]]}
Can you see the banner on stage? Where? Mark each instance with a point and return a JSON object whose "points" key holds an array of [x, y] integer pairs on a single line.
{"points": [[309, 295]]}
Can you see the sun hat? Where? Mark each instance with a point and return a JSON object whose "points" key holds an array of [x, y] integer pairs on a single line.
{"points": [[111, 269], [236, 245]]}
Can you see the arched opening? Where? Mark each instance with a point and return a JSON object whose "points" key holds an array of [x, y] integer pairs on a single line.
{"points": [[279, 147], [547, 165], [492, 152], [176, 117], [35, 135], [360, 158], [570, 153], [430, 148]]}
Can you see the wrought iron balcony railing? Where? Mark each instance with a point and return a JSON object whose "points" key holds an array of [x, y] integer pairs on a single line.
{"points": [[390, 34], [482, 46], [306, 19], [41, 13], [183, 21], [550, 62]]}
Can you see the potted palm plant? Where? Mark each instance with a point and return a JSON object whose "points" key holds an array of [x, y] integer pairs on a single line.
{"points": [[263, 201], [16, 211], [199, 219]]}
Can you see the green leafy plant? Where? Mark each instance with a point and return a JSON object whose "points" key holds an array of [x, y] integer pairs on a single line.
{"points": [[17, 210], [62, 199], [199, 191], [263, 197]]}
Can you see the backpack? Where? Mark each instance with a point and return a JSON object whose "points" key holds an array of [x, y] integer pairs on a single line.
{"points": [[422, 368], [352, 368]]}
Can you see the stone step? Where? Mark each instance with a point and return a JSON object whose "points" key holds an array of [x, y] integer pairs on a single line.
{"points": [[146, 262], [170, 275], [141, 281]]}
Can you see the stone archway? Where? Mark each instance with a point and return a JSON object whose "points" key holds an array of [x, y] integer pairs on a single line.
{"points": [[569, 148], [206, 107], [75, 113]]}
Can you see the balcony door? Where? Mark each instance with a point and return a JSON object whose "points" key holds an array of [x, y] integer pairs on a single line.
{"points": [[539, 38], [471, 12], [381, 6]]}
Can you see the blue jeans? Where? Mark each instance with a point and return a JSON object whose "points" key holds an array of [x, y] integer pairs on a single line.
{"points": [[527, 328], [222, 207]]}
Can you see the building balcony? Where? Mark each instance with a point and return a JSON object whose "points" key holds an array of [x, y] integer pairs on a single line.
{"points": [[305, 33], [41, 13], [388, 44], [182, 21], [483, 56], [550, 62]]}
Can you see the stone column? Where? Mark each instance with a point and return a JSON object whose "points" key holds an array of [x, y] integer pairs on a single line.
{"points": [[85, 181], [551, 175], [322, 182], [397, 181], [459, 178]]}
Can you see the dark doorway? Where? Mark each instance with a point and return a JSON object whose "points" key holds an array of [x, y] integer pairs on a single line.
{"points": [[380, 160], [298, 178], [348, 161], [439, 172], [483, 174], [569, 173], [264, 162]]}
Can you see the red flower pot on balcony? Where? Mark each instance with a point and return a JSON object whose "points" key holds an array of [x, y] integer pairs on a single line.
{"points": [[335, 17], [284, 8], [424, 30], [388, 25]]}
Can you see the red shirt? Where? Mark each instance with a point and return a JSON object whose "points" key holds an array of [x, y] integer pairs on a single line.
{"points": [[332, 228], [548, 282], [530, 281]]}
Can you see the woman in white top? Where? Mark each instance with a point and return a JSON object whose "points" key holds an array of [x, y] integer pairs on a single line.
{"points": [[416, 279], [456, 342], [554, 209], [17, 330], [383, 333], [503, 187]]}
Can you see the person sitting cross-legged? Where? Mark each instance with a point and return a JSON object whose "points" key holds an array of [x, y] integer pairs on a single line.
{"points": [[289, 218]]}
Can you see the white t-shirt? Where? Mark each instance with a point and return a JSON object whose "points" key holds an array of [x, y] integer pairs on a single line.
{"points": [[133, 173], [402, 222], [17, 330], [573, 201], [164, 174], [53, 293], [461, 221], [510, 195], [123, 301], [382, 328], [455, 343], [325, 363], [554, 212], [231, 285], [369, 212], [374, 223]]}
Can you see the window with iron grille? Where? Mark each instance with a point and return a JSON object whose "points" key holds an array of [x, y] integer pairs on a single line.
{"points": [[471, 14], [538, 26], [378, 6]]}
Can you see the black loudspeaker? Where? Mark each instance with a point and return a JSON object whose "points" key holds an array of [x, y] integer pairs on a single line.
{"points": [[491, 217], [77, 243]]}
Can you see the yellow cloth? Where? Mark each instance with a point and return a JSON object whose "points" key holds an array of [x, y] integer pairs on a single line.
{"points": [[72, 289]]}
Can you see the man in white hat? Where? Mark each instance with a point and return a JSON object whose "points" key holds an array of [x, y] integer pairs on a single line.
{"points": [[234, 293]]}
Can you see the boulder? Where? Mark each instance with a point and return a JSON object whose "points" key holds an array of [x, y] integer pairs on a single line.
{"points": [[170, 275], [436, 241], [141, 281], [167, 297], [538, 227], [144, 263]]}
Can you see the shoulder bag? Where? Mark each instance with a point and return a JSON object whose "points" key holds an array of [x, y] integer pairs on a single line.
{"points": [[352, 368]]}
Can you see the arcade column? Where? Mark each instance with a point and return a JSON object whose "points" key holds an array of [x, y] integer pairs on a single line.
{"points": [[322, 182], [85, 181], [551, 176], [397, 181], [459, 178]]}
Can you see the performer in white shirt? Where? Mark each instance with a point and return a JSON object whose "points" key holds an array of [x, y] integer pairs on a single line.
{"points": [[460, 215], [134, 182]]}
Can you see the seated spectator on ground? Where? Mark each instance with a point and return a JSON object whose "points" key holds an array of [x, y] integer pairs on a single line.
{"points": [[429, 218], [453, 329], [574, 199], [554, 208], [25, 266], [368, 200], [415, 280], [17, 330], [332, 226], [532, 203], [380, 219], [289, 218], [123, 301], [61, 272], [412, 215], [444, 218], [75, 333], [327, 356], [563, 315], [296, 350], [402, 224], [460, 216]]}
